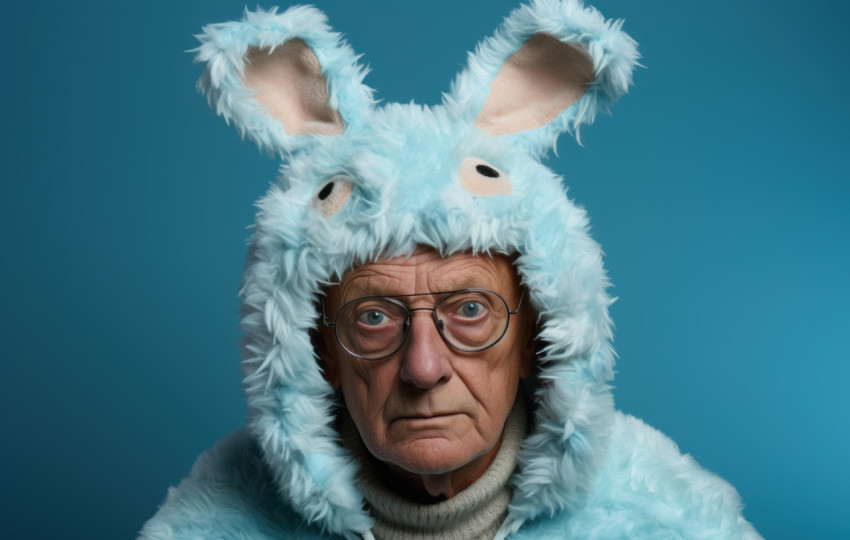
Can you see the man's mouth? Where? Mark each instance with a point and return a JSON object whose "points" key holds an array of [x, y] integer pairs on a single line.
{"points": [[429, 417]]}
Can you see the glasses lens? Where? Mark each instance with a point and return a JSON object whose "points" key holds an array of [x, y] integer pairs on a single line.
{"points": [[371, 328], [472, 320]]}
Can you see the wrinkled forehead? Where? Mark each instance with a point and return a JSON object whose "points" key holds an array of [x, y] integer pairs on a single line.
{"points": [[426, 270]]}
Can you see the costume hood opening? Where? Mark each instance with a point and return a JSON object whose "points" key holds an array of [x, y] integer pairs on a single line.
{"points": [[360, 182]]}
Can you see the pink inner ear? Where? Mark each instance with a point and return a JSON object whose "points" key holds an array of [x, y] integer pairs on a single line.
{"points": [[539, 81], [290, 83]]}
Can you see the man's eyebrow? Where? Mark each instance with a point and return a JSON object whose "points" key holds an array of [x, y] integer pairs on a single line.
{"points": [[441, 292], [368, 283], [365, 285]]}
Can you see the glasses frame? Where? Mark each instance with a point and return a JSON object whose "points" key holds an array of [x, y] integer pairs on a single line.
{"points": [[438, 323]]}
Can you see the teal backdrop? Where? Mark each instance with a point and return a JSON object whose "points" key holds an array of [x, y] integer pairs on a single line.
{"points": [[718, 189]]}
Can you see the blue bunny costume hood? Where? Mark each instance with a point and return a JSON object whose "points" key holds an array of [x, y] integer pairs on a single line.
{"points": [[360, 183]]}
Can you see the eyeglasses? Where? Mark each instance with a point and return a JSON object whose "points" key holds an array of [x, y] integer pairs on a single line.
{"points": [[375, 327]]}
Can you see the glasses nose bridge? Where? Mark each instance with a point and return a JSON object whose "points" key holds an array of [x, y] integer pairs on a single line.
{"points": [[411, 310], [437, 321]]}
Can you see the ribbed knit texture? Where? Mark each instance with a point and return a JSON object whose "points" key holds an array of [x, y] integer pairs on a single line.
{"points": [[474, 513]]}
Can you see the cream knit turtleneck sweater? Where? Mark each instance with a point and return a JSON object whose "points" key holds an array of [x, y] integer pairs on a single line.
{"points": [[476, 512]]}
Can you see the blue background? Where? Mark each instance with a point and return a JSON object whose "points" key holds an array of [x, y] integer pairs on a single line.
{"points": [[719, 191]]}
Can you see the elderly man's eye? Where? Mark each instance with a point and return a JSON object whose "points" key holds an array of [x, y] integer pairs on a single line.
{"points": [[372, 318], [471, 309]]}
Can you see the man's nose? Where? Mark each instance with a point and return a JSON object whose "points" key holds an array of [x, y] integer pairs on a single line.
{"points": [[425, 359]]}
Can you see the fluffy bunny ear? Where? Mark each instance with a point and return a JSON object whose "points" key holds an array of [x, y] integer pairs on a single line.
{"points": [[282, 78], [550, 67]]}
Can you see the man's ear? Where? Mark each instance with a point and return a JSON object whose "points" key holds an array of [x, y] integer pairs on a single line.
{"points": [[327, 360]]}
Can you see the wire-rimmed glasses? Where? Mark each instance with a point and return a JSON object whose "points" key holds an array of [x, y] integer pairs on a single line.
{"points": [[375, 327]]}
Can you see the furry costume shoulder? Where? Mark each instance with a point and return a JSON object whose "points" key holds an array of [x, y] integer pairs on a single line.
{"points": [[361, 182], [645, 489]]}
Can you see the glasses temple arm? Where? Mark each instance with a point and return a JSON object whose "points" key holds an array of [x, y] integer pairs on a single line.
{"points": [[325, 317], [518, 304]]}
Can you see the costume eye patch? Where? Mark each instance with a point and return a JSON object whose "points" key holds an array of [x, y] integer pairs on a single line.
{"points": [[479, 177], [332, 195]]}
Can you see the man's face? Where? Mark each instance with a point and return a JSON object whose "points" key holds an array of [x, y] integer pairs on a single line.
{"points": [[428, 408]]}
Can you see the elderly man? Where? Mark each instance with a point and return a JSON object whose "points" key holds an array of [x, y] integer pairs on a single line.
{"points": [[428, 353], [427, 343]]}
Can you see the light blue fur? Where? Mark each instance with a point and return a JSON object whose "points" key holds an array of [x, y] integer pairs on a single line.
{"points": [[585, 470]]}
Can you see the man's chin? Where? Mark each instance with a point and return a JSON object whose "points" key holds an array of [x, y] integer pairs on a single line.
{"points": [[432, 456]]}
